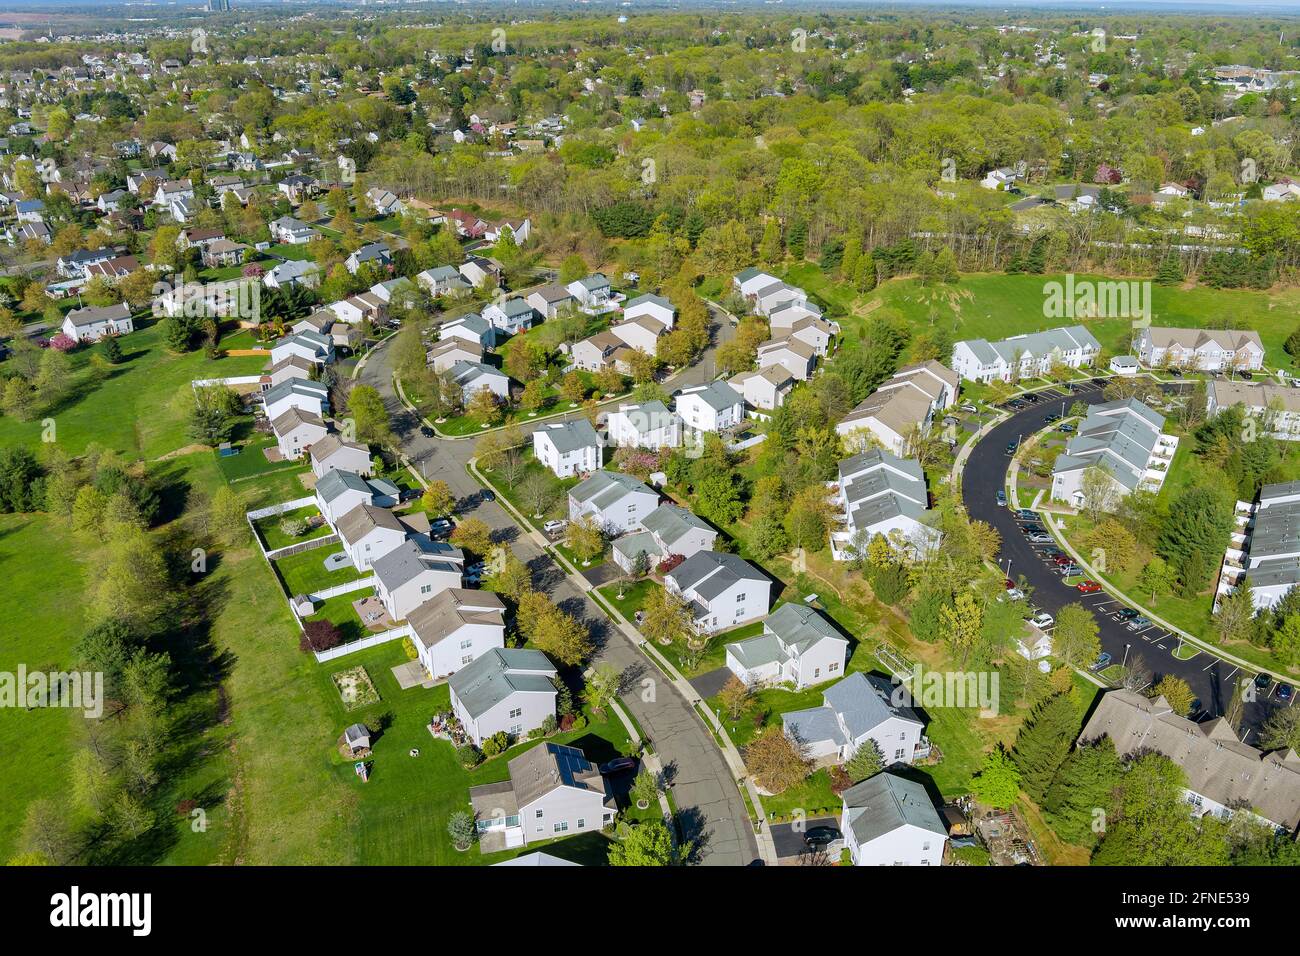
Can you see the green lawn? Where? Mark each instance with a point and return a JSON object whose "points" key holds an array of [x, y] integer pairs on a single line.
{"points": [[559, 488], [252, 461], [401, 813], [141, 408], [305, 573], [339, 611], [274, 538]]}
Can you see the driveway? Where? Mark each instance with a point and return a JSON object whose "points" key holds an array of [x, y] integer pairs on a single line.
{"points": [[602, 573], [788, 837], [710, 805], [708, 684], [985, 475]]}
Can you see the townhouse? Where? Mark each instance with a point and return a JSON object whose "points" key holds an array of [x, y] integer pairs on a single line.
{"points": [[474, 377], [904, 406], [368, 532], [333, 453], [567, 448], [1264, 546], [616, 501], [1276, 408], [1124, 440], [445, 353], [710, 408], [297, 393], [650, 306], [668, 530], [1024, 356], [510, 316], [647, 425], [859, 708], [1206, 350], [765, 389], [879, 493]]}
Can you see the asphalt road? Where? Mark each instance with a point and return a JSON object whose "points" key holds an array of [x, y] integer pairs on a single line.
{"points": [[709, 804], [1209, 677]]}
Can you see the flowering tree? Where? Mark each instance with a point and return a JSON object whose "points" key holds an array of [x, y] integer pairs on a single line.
{"points": [[63, 342]]}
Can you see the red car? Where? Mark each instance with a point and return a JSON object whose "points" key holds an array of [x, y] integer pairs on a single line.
{"points": [[1088, 587], [1009, 583], [1061, 560]]}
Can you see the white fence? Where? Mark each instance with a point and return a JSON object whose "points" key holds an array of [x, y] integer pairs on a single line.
{"points": [[281, 508], [374, 640], [232, 380], [301, 546], [358, 585]]}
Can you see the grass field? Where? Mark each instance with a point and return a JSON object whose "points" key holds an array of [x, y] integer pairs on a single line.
{"points": [[140, 409]]}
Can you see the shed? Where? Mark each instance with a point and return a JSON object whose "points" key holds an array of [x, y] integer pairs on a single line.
{"points": [[357, 737]]}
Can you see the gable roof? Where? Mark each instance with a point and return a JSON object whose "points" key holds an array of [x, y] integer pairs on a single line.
{"points": [[537, 772], [570, 436], [606, 487], [885, 802], [498, 675], [451, 609]]}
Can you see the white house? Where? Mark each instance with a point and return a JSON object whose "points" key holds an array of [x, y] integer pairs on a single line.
{"points": [[1275, 408], [553, 791], [94, 323], [1024, 356], [291, 231], [710, 408], [1207, 350], [798, 646], [333, 453], [296, 431], [1001, 178], [292, 272], [567, 448], [765, 389], [648, 425], [722, 590], [653, 306], [550, 299], [668, 530], [475, 376], [445, 353], [795, 356], [368, 533], [478, 270], [471, 327], [338, 492], [879, 493], [443, 280], [859, 708], [890, 821], [414, 571], [591, 292], [1124, 441], [615, 500], [456, 627], [312, 346], [372, 253], [903, 406], [508, 690], [297, 393], [510, 316], [642, 333]]}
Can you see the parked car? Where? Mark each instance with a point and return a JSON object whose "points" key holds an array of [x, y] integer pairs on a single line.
{"points": [[1039, 537], [1248, 376], [440, 526], [1002, 499], [1284, 692], [1262, 681], [1031, 398], [1011, 448], [1017, 404], [1088, 587], [1138, 623], [1067, 428], [1125, 614], [618, 765], [1025, 514], [822, 836], [555, 527], [1102, 662], [1042, 620], [1176, 372], [487, 495], [1032, 528], [1052, 418], [426, 431], [1015, 594], [1051, 554], [968, 407], [1061, 559]]}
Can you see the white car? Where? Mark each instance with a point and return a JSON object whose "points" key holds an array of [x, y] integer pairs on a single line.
{"points": [[1042, 621], [555, 527]]}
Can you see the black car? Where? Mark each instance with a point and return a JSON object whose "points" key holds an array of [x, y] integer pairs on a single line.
{"points": [[822, 836], [426, 431], [1011, 448], [1032, 398], [618, 765], [1052, 418], [1125, 614], [1033, 528], [1176, 372], [486, 495], [1262, 681]]}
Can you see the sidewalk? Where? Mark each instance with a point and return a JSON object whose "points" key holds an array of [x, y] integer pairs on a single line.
{"points": [[766, 848]]}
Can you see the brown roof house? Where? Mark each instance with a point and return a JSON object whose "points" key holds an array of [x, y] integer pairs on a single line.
{"points": [[553, 791], [455, 627], [1224, 775], [297, 430]]}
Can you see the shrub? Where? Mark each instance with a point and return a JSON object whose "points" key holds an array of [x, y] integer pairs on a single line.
{"points": [[319, 636], [579, 721], [460, 827], [63, 342], [548, 724], [566, 723], [496, 744], [411, 651], [293, 527], [468, 755]]}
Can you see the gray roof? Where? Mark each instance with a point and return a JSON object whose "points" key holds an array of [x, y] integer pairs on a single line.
{"points": [[571, 436], [863, 702], [709, 573], [296, 386], [499, 674], [717, 395], [671, 522], [448, 611], [338, 482], [104, 313], [514, 307], [800, 626], [414, 556], [1034, 344], [605, 487], [648, 299], [1276, 531], [885, 802], [632, 544], [1117, 436], [648, 416], [816, 725], [537, 772], [1217, 764]]}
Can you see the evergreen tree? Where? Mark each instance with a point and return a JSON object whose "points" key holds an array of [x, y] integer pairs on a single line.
{"points": [[1170, 271], [1082, 787], [1043, 743]]}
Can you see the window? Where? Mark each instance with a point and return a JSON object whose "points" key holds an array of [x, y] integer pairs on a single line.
{"points": [[540, 814], [817, 672], [833, 668], [903, 735], [426, 588], [516, 712], [467, 644], [740, 599], [467, 659], [515, 730], [562, 826], [900, 754], [582, 823]]}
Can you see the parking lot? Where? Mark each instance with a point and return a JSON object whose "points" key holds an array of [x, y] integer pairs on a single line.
{"points": [[1123, 631]]}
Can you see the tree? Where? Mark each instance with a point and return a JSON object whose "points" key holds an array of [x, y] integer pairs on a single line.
{"points": [[718, 499], [1075, 639], [1281, 729], [1176, 693], [867, 761], [645, 789], [1148, 823], [1098, 490], [572, 389], [45, 830], [461, 829], [665, 617], [19, 399], [1043, 743], [226, 519], [735, 697], [438, 500], [767, 537], [1081, 791], [603, 684], [776, 761], [537, 493], [649, 843], [961, 621], [998, 782], [474, 536], [510, 576], [369, 416], [585, 538], [562, 637]]}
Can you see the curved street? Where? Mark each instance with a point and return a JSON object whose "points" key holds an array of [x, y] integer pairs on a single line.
{"points": [[702, 787], [985, 475]]}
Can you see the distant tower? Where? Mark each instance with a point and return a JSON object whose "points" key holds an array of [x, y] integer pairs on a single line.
{"points": [[218, 6]]}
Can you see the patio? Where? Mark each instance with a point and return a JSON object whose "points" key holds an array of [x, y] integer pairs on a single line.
{"points": [[374, 616], [412, 674]]}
